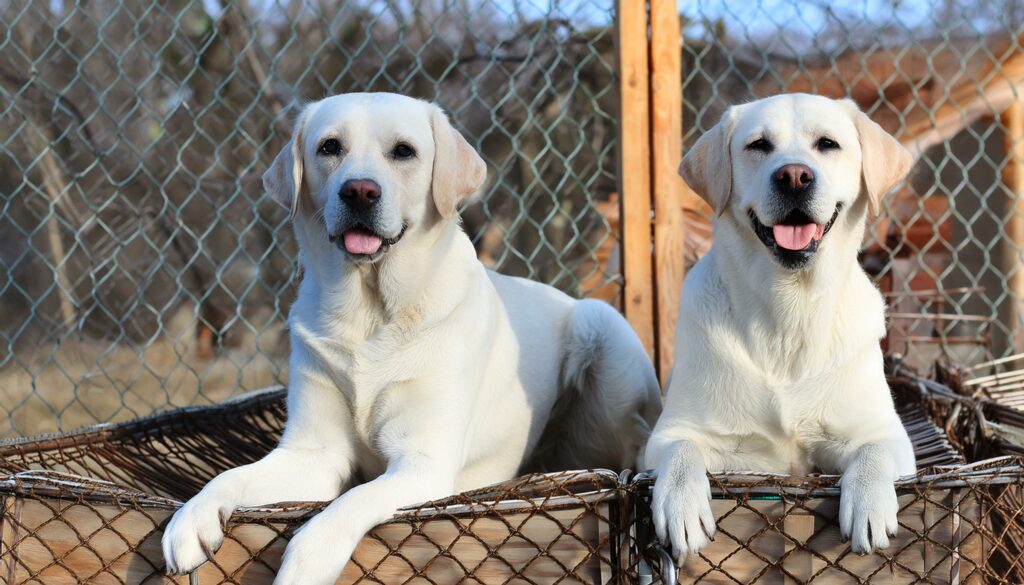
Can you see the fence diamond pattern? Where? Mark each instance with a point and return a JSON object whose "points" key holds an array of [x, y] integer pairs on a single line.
{"points": [[143, 265], [144, 268], [945, 77]]}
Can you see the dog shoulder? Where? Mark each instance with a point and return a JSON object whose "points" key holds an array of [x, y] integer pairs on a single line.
{"points": [[704, 293], [861, 310], [704, 306]]}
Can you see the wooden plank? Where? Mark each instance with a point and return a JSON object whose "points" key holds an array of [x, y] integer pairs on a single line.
{"points": [[1013, 243], [668, 187], [635, 169]]}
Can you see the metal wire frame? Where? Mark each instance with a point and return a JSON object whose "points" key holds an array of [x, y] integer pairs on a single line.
{"points": [[89, 506]]}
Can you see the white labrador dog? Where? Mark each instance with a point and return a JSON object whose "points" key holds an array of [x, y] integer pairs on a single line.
{"points": [[414, 371], [778, 366]]}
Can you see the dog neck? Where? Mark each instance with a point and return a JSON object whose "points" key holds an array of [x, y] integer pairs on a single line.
{"points": [[790, 312]]}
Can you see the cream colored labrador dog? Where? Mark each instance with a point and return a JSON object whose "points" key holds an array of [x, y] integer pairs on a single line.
{"points": [[414, 371], [778, 366]]}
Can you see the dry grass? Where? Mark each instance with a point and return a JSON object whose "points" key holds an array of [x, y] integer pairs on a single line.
{"points": [[74, 383]]}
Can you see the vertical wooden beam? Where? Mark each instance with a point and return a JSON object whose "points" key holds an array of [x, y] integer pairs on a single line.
{"points": [[1013, 241], [635, 168], [668, 187]]}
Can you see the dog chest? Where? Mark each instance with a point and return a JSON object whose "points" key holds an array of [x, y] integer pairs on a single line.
{"points": [[764, 424], [375, 377]]}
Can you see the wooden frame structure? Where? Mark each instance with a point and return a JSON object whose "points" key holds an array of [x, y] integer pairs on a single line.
{"points": [[650, 141], [634, 168], [1013, 179]]}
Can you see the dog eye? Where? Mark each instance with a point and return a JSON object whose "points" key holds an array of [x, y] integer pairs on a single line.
{"points": [[761, 144], [329, 147], [402, 151], [825, 143]]}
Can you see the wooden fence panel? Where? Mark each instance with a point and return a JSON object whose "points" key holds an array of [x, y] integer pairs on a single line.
{"points": [[635, 168]]}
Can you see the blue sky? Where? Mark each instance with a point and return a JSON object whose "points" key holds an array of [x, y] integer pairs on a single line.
{"points": [[742, 17]]}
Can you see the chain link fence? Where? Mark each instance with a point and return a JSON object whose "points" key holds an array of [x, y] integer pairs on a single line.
{"points": [[143, 268], [945, 77]]}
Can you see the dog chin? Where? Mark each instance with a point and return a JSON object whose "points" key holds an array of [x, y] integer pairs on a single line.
{"points": [[363, 258], [795, 259]]}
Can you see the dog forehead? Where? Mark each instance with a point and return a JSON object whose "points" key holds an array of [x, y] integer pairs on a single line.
{"points": [[795, 116], [380, 115]]}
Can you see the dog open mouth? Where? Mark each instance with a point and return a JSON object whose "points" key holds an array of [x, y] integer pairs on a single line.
{"points": [[795, 238], [362, 242]]}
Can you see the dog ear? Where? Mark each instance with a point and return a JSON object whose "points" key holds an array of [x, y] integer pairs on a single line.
{"points": [[707, 167], [884, 161], [283, 180], [458, 169]]}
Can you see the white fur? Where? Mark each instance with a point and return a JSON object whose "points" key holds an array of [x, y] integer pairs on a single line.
{"points": [[421, 373], [776, 369]]}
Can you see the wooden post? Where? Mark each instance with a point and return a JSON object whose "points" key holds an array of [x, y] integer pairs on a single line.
{"points": [[635, 168], [1013, 242], [669, 189]]}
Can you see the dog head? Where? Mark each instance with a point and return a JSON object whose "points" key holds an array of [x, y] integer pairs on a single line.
{"points": [[370, 167], [789, 166]]}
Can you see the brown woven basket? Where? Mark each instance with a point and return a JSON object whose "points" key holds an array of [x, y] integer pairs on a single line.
{"points": [[774, 529], [89, 507], [982, 407], [955, 519], [996, 393]]}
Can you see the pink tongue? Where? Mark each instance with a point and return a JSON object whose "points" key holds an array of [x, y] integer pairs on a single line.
{"points": [[796, 237], [360, 242]]}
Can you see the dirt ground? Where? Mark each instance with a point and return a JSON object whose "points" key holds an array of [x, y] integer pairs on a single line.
{"points": [[81, 382]]}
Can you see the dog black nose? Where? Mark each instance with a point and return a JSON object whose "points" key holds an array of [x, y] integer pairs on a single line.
{"points": [[794, 178], [360, 193]]}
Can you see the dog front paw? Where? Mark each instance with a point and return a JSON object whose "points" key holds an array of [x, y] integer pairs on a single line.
{"points": [[868, 509], [681, 506], [316, 555], [194, 533]]}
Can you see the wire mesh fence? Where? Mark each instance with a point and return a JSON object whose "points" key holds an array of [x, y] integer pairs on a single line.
{"points": [[945, 77], [143, 268]]}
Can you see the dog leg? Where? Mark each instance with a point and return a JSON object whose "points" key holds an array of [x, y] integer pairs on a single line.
{"points": [[196, 530], [313, 462], [681, 505], [868, 506], [320, 550]]}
